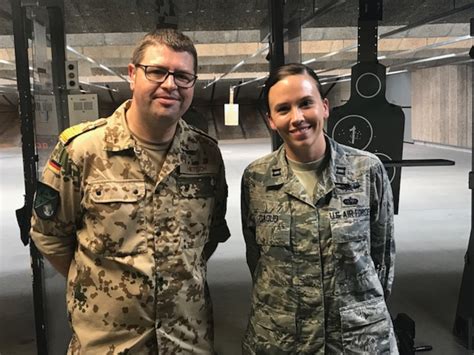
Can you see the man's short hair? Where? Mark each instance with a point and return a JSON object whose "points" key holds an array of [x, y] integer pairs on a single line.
{"points": [[165, 36], [287, 70]]}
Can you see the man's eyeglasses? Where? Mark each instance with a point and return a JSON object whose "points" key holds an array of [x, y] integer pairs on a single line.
{"points": [[160, 74]]}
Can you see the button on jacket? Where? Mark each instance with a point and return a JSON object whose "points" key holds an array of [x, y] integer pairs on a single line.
{"points": [[321, 265], [137, 283]]}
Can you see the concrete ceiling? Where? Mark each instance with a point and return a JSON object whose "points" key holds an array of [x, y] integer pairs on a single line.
{"points": [[107, 16], [228, 32]]}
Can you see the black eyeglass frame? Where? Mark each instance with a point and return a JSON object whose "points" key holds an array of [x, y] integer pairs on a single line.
{"points": [[168, 73]]}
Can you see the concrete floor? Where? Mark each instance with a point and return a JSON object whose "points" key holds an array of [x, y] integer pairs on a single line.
{"points": [[432, 232]]}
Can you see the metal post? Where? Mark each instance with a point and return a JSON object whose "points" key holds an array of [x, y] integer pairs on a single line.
{"points": [[29, 164], [370, 12], [464, 321], [58, 60], [277, 54]]}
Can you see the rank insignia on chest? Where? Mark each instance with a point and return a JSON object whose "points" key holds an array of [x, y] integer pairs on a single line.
{"points": [[46, 201]]}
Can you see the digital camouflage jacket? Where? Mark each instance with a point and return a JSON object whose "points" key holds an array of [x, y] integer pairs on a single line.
{"points": [[137, 283], [320, 267]]}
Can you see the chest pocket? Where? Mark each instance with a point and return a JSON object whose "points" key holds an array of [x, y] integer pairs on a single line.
{"points": [[349, 213], [272, 229], [191, 187], [350, 233], [196, 195], [114, 218]]}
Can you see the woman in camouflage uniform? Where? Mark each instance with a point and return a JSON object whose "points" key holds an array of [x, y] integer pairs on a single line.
{"points": [[317, 219]]}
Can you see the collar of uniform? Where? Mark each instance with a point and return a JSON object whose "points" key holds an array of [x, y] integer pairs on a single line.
{"points": [[339, 168], [278, 170], [117, 136], [183, 142]]}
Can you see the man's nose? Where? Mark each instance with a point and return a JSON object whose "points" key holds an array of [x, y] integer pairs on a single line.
{"points": [[169, 82]]}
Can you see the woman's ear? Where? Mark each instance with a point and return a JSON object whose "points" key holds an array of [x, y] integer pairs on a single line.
{"points": [[270, 121]]}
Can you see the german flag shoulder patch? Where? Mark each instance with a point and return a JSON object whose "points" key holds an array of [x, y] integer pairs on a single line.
{"points": [[72, 132], [54, 166]]}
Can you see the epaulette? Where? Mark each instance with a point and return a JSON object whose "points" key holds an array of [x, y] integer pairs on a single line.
{"points": [[72, 132], [197, 130]]}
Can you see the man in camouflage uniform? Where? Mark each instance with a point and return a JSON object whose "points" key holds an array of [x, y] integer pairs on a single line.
{"points": [[131, 207], [317, 219]]}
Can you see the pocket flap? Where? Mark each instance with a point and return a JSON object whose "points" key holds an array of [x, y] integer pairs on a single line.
{"points": [[363, 313], [196, 186], [273, 229], [117, 191], [350, 232]]}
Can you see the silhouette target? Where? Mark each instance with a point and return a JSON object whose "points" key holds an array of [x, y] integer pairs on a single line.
{"points": [[369, 122]]}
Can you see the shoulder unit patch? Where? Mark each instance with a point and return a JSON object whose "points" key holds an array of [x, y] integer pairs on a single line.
{"points": [[46, 201]]}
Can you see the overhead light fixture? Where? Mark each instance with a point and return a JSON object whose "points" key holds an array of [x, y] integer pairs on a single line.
{"points": [[3, 61], [403, 29], [239, 64], [98, 86], [427, 21], [431, 46], [250, 81], [339, 79], [397, 72], [430, 59], [10, 79]]}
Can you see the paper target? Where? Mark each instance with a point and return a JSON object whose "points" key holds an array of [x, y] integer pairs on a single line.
{"points": [[391, 171], [368, 85], [353, 130]]}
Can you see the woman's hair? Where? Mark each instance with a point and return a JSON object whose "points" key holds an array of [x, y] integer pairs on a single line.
{"points": [[288, 70]]}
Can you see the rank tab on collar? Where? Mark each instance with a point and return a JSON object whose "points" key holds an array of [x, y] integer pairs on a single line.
{"points": [[276, 172], [340, 170]]}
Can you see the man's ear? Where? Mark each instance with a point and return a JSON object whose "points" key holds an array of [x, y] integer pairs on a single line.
{"points": [[132, 71], [270, 121]]}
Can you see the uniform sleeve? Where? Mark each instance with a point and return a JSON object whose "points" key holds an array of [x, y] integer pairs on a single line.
{"points": [[381, 227], [54, 232], [248, 227], [219, 231]]}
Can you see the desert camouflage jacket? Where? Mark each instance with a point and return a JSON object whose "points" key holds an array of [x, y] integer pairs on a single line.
{"points": [[137, 283], [320, 266]]}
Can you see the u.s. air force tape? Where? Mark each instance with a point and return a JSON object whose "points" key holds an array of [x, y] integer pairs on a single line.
{"points": [[46, 201]]}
